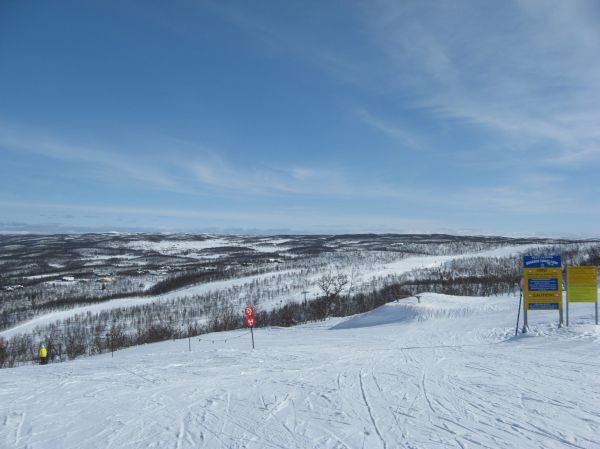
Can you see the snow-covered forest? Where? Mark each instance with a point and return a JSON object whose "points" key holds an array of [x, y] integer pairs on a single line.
{"points": [[88, 294]]}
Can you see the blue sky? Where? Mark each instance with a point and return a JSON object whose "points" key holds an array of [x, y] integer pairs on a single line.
{"points": [[315, 116]]}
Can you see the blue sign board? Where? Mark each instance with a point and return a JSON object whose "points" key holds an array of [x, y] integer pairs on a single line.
{"points": [[543, 306], [542, 262], [542, 285]]}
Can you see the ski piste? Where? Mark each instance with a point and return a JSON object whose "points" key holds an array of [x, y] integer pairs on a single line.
{"points": [[447, 372]]}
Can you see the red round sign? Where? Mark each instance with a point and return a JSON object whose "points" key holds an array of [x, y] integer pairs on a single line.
{"points": [[250, 321], [249, 311]]}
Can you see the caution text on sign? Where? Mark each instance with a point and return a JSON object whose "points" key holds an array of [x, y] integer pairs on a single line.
{"points": [[543, 286]]}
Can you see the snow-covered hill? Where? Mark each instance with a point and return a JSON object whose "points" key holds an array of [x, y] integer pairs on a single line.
{"points": [[446, 373], [271, 278]]}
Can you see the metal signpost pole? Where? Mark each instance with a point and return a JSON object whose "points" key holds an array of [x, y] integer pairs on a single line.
{"points": [[560, 317], [560, 307], [524, 317], [567, 298], [524, 290], [250, 321], [519, 311]]}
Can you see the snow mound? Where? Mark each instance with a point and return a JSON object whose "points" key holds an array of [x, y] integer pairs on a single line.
{"points": [[432, 306]]}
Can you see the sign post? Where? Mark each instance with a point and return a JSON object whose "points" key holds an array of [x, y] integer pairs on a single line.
{"points": [[582, 286], [542, 285], [250, 321], [519, 308]]}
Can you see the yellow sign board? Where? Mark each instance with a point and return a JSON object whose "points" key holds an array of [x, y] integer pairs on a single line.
{"points": [[543, 288], [582, 284]]}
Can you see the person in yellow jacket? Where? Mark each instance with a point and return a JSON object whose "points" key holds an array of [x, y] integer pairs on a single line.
{"points": [[43, 355]]}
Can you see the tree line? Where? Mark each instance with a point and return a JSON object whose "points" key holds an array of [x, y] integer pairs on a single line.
{"points": [[88, 334]]}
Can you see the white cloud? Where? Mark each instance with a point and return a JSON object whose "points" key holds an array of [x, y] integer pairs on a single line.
{"points": [[302, 173], [525, 69], [392, 130], [26, 140], [528, 70], [214, 171], [323, 183]]}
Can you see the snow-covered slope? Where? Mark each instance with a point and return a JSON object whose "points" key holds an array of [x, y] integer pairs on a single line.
{"points": [[366, 274], [446, 373]]}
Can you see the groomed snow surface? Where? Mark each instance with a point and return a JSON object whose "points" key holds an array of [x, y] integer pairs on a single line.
{"points": [[446, 373]]}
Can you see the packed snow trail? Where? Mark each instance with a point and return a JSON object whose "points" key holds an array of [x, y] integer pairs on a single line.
{"points": [[447, 373]]}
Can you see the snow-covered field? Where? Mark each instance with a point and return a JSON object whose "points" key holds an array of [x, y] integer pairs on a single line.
{"points": [[446, 373], [195, 248]]}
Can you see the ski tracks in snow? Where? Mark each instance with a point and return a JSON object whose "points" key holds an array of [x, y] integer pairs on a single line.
{"points": [[13, 428], [427, 385], [374, 421]]}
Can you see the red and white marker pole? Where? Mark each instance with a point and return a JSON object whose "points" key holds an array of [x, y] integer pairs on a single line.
{"points": [[250, 321]]}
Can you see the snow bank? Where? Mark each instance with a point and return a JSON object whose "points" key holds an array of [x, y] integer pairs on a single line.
{"points": [[432, 306]]}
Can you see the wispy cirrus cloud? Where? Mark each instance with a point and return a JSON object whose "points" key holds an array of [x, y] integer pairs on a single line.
{"points": [[407, 139], [177, 166], [321, 183], [111, 162], [216, 172], [528, 72]]}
